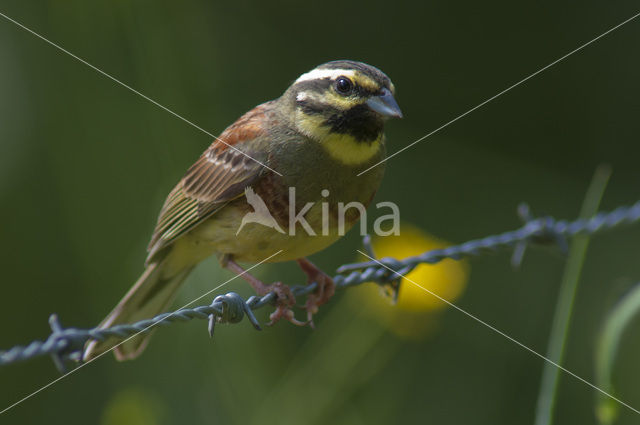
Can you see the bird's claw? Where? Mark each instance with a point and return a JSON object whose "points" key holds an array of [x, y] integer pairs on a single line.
{"points": [[284, 301], [284, 312]]}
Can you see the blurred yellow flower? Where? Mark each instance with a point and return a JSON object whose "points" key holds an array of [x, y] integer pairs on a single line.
{"points": [[132, 406], [413, 315]]}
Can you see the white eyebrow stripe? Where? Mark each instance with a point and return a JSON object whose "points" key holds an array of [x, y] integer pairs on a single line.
{"points": [[318, 74]]}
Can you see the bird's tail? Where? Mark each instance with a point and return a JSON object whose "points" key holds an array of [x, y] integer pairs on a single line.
{"points": [[150, 296]]}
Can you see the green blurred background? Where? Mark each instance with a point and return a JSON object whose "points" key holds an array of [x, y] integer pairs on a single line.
{"points": [[85, 165]]}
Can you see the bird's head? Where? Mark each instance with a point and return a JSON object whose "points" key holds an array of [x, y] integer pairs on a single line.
{"points": [[343, 105]]}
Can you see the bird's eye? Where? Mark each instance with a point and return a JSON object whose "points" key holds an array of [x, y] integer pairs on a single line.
{"points": [[344, 85]]}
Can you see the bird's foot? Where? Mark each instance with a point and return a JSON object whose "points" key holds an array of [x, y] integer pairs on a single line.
{"points": [[284, 296], [326, 288], [284, 301]]}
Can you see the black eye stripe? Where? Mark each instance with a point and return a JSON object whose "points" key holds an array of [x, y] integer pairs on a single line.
{"points": [[319, 86], [314, 108], [363, 92]]}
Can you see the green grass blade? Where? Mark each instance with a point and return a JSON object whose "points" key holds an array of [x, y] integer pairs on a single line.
{"points": [[607, 349], [564, 306]]}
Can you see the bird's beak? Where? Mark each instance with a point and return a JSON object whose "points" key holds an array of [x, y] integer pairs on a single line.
{"points": [[385, 104]]}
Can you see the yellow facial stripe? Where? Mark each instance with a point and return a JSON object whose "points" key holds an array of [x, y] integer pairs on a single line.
{"points": [[365, 82], [341, 102], [311, 125], [341, 147]]}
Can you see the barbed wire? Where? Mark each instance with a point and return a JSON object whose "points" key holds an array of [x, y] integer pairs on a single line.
{"points": [[66, 344]]}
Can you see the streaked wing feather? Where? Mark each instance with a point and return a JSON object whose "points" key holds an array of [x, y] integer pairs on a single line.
{"points": [[221, 174]]}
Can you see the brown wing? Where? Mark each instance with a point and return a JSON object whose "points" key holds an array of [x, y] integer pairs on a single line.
{"points": [[220, 174]]}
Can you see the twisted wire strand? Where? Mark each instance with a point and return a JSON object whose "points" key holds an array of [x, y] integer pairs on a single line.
{"points": [[65, 344]]}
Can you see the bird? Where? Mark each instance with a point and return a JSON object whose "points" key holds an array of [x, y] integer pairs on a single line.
{"points": [[301, 154]]}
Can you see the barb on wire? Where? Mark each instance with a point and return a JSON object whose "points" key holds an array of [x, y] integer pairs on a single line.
{"points": [[65, 344]]}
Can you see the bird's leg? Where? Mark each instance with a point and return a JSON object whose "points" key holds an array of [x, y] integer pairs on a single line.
{"points": [[326, 287], [285, 298]]}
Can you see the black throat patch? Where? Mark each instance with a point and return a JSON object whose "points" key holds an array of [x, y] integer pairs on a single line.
{"points": [[358, 122]]}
